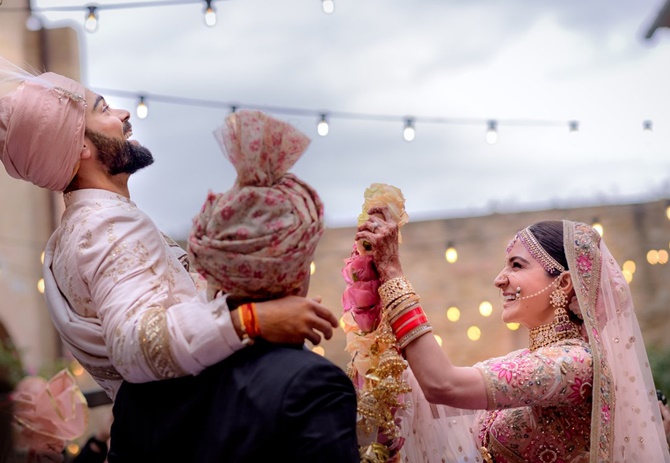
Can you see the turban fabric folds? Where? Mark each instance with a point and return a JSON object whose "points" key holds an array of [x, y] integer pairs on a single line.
{"points": [[256, 240], [42, 125]]}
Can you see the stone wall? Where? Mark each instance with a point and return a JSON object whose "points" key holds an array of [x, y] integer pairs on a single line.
{"points": [[630, 231]]}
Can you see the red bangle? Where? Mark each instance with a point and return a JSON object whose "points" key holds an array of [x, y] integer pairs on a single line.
{"points": [[410, 325], [398, 322], [250, 320]]}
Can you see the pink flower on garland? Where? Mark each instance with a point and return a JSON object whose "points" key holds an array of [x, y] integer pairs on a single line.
{"points": [[361, 296]]}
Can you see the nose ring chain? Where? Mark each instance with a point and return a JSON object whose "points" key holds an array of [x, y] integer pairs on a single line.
{"points": [[518, 290]]}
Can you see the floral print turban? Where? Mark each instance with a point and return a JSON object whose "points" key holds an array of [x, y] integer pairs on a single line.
{"points": [[256, 240]]}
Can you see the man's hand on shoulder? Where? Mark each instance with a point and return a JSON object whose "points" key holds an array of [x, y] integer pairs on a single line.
{"points": [[292, 319]]}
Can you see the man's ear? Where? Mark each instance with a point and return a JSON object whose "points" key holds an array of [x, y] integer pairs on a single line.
{"points": [[86, 150]]}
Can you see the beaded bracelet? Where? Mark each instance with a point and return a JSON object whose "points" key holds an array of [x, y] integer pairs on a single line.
{"points": [[414, 334]]}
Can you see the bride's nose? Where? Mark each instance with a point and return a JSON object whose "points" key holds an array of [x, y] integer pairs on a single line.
{"points": [[501, 280]]}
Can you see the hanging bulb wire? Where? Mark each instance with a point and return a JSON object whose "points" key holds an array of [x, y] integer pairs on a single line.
{"points": [[322, 127], [408, 132], [142, 109], [328, 6], [492, 132], [91, 23], [210, 14]]}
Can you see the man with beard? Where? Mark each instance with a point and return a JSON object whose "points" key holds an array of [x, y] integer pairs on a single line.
{"points": [[119, 292]]}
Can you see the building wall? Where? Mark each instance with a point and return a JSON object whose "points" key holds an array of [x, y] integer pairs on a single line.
{"points": [[27, 213], [630, 231]]}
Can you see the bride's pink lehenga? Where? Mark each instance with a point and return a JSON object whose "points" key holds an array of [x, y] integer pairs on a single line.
{"points": [[586, 397]]}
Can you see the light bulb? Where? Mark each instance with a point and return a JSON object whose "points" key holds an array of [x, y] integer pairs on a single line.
{"points": [[210, 14], [485, 308], [408, 132], [598, 227], [91, 23], [492, 133], [322, 126], [328, 6], [451, 254], [142, 109]]}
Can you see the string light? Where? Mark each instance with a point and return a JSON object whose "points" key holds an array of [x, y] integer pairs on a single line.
{"points": [[319, 351], [142, 108], [91, 11], [438, 338], [91, 21], [667, 209], [652, 257], [210, 14], [598, 226], [328, 6], [451, 254], [408, 132], [322, 127], [513, 326], [486, 309], [312, 268], [40, 285], [492, 132], [474, 333], [453, 314]]}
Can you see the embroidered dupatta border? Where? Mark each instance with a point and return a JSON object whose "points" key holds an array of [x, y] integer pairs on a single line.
{"points": [[585, 264]]}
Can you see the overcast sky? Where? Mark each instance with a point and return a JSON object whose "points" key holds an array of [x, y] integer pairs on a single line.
{"points": [[518, 62]]}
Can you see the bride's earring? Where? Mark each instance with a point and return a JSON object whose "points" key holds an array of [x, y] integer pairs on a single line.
{"points": [[558, 300]]}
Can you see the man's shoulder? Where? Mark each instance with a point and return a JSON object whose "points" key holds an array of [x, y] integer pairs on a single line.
{"points": [[283, 361]]}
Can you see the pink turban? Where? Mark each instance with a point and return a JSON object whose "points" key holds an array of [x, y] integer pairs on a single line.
{"points": [[42, 126], [257, 239]]}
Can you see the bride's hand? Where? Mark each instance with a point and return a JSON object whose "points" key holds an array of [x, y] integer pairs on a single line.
{"points": [[381, 232]]}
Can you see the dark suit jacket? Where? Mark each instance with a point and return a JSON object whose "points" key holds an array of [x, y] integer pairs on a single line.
{"points": [[264, 403]]}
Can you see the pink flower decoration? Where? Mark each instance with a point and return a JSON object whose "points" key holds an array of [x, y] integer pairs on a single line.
{"points": [[584, 263], [580, 390], [361, 296], [49, 413], [606, 412], [505, 370], [359, 268]]}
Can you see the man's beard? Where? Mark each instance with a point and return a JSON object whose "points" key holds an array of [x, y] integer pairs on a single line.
{"points": [[119, 156]]}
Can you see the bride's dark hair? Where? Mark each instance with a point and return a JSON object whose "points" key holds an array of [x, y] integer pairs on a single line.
{"points": [[549, 234]]}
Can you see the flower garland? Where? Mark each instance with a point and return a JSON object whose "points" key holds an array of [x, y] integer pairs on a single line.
{"points": [[376, 365], [45, 413]]}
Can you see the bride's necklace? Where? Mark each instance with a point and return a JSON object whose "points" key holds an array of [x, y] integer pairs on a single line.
{"points": [[559, 329]]}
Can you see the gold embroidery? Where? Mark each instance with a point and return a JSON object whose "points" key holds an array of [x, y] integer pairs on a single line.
{"points": [[102, 372], [155, 344]]}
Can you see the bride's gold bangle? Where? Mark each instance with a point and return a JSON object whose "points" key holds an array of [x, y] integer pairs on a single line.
{"points": [[394, 289]]}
